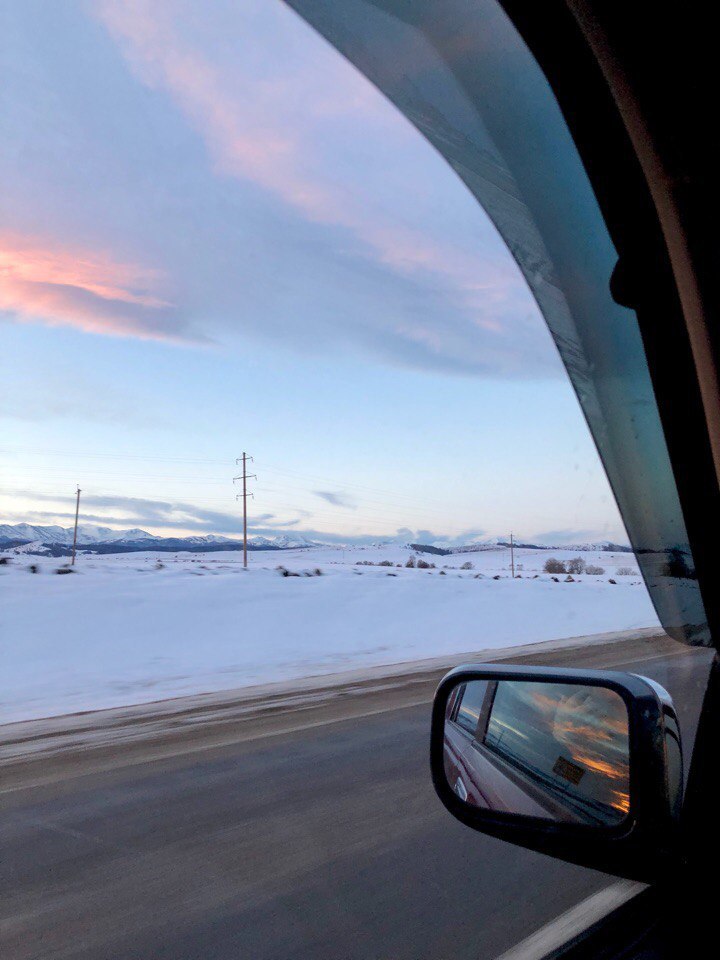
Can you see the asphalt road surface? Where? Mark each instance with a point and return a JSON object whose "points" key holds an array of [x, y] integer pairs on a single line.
{"points": [[304, 830]]}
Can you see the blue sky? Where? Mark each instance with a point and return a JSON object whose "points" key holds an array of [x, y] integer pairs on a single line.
{"points": [[216, 236]]}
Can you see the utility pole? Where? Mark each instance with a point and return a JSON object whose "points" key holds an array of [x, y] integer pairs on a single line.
{"points": [[512, 556], [245, 476], [77, 513]]}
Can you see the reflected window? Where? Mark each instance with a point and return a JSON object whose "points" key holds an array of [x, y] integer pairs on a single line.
{"points": [[470, 706]]}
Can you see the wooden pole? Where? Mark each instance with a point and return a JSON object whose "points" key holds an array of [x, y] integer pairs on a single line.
{"points": [[245, 477], [77, 513], [244, 510], [512, 556]]}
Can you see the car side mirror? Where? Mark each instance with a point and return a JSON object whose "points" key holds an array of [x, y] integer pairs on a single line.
{"points": [[585, 766]]}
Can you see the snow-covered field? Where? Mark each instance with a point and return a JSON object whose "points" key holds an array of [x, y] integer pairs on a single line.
{"points": [[133, 628]]}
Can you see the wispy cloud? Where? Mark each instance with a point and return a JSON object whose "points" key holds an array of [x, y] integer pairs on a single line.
{"points": [[570, 536], [184, 517], [263, 192], [60, 285], [253, 130], [142, 512], [337, 499]]}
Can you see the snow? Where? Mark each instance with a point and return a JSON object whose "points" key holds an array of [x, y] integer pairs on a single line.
{"points": [[132, 628], [87, 533]]}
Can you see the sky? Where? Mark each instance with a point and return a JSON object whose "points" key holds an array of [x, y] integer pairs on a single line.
{"points": [[217, 236]]}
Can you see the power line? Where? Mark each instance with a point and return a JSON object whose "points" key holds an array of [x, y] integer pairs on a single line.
{"points": [[410, 512], [336, 482], [385, 495], [405, 508], [111, 456]]}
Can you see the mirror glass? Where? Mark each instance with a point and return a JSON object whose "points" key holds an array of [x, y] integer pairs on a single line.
{"points": [[558, 751]]}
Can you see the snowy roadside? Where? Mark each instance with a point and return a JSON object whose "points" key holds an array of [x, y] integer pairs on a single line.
{"points": [[146, 627], [41, 752]]}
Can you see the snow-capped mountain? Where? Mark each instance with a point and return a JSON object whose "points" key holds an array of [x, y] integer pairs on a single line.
{"points": [[286, 542], [87, 533], [57, 541], [90, 533], [207, 538]]}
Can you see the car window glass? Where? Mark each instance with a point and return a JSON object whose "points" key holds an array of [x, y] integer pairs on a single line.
{"points": [[487, 108], [470, 706]]}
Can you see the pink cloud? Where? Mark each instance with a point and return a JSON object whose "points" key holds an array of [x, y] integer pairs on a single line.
{"points": [[252, 131], [43, 281], [25, 260]]}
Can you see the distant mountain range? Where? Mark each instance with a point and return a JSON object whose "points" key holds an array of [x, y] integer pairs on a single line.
{"points": [[500, 542], [57, 541], [87, 533]]}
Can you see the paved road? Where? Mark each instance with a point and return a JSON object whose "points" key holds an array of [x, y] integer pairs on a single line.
{"points": [[325, 841]]}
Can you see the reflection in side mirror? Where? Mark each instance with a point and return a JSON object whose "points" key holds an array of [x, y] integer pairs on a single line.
{"points": [[583, 765], [556, 751]]}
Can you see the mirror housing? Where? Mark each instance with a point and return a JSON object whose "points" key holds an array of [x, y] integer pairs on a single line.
{"points": [[644, 845]]}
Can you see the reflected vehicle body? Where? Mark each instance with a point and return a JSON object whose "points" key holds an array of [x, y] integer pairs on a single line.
{"points": [[545, 750]]}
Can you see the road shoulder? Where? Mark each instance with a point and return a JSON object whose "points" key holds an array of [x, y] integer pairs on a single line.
{"points": [[39, 752]]}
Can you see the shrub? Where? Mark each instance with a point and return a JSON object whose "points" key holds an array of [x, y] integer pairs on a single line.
{"points": [[466, 566], [576, 565], [410, 562], [593, 571], [554, 566], [385, 563], [424, 565], [625, 572]]}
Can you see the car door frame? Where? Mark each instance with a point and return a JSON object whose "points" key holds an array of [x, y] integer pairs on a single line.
{"points": [[638, 127]]}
